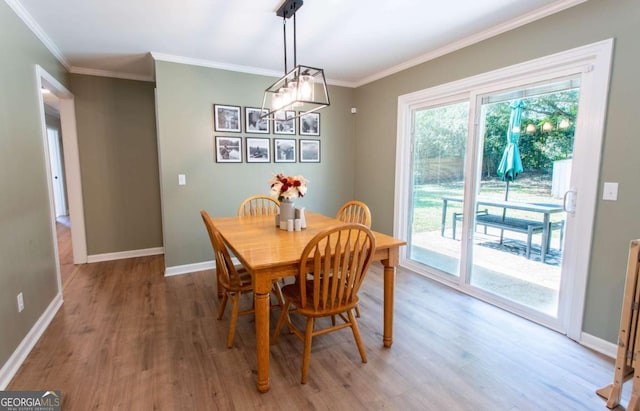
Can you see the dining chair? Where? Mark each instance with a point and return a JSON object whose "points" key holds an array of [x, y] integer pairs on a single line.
{"points": [[259, 205], [355, 212], [234, 281], [342, 255]]}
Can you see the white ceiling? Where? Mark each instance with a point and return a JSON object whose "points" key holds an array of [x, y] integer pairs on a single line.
{"points": [[354, 41]]}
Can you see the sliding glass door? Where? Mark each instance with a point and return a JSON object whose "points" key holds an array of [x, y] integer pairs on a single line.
{"points": [[497, 182], [439, 150], [491, 218], [525, 155]]}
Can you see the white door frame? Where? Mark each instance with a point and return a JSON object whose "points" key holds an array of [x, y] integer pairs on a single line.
{"points": [[593, 62], [72, 165]]}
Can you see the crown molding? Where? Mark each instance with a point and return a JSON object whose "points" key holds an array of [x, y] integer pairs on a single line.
{"points": [[230, 67], [28, 20], [171, 58], [113, 74], [473, 39]]}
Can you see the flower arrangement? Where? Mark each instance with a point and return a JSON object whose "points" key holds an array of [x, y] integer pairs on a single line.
{"points": [[288, 187]]}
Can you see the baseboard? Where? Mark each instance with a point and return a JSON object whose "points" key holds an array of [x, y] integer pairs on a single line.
{"points": [[189, 268], [598, 344], [10, 368], [96, 258]]}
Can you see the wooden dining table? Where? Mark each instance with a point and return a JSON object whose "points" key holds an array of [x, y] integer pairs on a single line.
{"points": [[269, 253]]}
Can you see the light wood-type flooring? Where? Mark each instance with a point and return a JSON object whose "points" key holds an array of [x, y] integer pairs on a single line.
{"points": [[65, 250], [127, 338]]}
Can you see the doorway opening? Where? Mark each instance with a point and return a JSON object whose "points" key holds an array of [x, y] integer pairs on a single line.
{"points": [[57, 115], [58, 185]]}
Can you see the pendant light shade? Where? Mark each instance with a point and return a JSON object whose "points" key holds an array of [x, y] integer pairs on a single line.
{"points": [[302, 87]]}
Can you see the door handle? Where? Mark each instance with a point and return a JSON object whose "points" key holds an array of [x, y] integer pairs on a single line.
{"points": [[569, 201]]}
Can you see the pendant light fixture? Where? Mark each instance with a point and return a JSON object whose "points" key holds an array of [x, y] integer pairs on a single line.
{"points": [[302, 87]]}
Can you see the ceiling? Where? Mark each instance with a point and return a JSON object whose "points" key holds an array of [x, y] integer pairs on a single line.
{"points": [[354, 41]]}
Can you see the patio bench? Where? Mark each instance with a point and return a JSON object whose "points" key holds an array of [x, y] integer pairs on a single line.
{"points": [[519, 225]]}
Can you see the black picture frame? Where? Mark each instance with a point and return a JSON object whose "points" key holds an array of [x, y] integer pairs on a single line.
{"points": [[309, 124], [228, 149], [284, 150], [253, 123], [285, 122], [258, 150], [227, 118], [309, 151]]}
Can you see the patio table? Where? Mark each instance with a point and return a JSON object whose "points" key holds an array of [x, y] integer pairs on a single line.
{"points": [[546, 209]]}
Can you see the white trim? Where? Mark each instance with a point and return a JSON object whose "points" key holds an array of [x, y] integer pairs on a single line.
{"points": [[171, 58], [192, 268], [112, 74], [473, 39], [9, 369], [30, 22], [598, 344], [96, 258], [71, 161], [189, 268], [231, 67], [593, 63], [590, 128], [49, 177]]}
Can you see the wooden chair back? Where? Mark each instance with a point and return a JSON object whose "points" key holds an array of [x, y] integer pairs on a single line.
{"points": [[355, 212], [226, 272], [337, 261], [259, 205]]}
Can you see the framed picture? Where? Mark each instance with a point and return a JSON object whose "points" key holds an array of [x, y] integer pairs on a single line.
{"points": [[226, 118], [258, 150], [253, 123], [284, 150], [309, 151], [285, 122], [228, 150], [310, 124]]}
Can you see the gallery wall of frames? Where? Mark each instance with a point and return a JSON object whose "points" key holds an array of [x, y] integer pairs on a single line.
{"points": [[285, 139]]}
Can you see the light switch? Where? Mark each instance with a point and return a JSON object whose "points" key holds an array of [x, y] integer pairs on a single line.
{"points": [[610, 191], [182, 180]]}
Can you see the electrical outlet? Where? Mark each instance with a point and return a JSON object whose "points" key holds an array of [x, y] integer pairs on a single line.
{"points": [[20, 303]]}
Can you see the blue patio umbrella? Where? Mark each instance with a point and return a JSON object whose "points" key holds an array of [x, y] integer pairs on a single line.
{"points": [[511, 164]]}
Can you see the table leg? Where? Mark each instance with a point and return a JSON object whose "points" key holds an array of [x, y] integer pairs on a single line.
{"points": [[389, 285], [444, 217], [545, 237], [262, 303]]}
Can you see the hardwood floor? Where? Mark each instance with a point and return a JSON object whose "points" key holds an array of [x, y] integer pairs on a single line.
{"points": [[65, 250], [128, 338]]}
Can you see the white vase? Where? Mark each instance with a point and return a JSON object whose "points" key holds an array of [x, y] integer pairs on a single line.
{"points": [[287, 210]]}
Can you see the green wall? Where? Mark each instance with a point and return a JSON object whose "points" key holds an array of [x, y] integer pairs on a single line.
{"points": [[117, 144], [615, 222], [186, 95], [27, 260]]}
